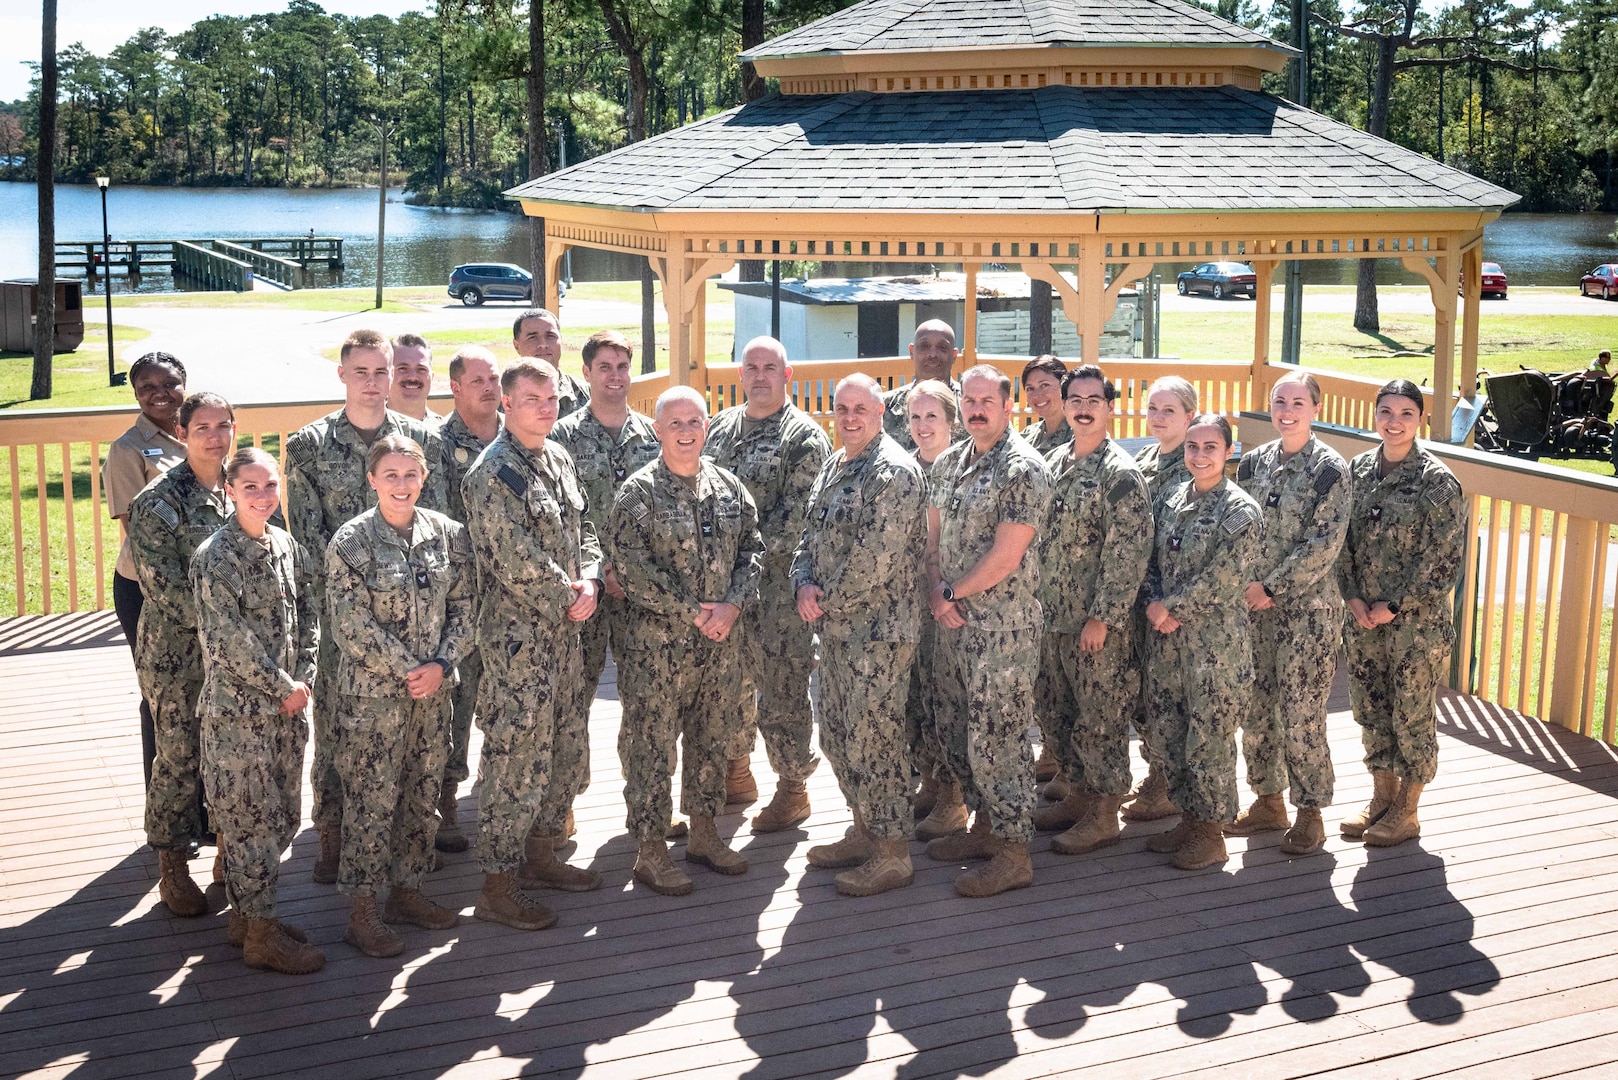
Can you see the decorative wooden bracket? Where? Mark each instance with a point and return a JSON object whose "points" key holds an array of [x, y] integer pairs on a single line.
{"points": [[1443, 292]]}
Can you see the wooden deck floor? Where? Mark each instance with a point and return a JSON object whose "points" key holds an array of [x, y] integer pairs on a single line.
{"points": [[1487, 949]]}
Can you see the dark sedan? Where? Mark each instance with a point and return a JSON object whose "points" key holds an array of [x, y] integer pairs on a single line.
{"points": [[1219, 280], [473, 283], [1602, 282]]}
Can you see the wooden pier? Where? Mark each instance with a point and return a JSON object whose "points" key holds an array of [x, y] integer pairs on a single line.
{"points": [[208, 261]]}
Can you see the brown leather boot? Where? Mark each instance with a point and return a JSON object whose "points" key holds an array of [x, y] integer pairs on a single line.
{"points": [[1098, 828], [888, 868], [854, 848], [678, 827], [1011, 868], [1204, 847], [979, 843], [1045, 766], [175, 887], [1056, 816], [704, 846], [449, 836], [655, 870], [923, 801], [1400, 823], [542, 869], [410, 906], [1307, 835], [1384, 789], [236, 933], [1150, 801], [948, 815], [740, 787], [1055, 791], [502, 902], [1267, 814], [267, 945], [1166, 843], [331, 850], [368, 933], [789, 807]]}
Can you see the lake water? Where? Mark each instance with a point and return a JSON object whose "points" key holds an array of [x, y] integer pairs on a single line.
{"points": [[424, 243]]}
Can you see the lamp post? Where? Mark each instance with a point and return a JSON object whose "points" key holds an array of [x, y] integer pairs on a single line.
{"points": [[103, 182], [382, 129]]}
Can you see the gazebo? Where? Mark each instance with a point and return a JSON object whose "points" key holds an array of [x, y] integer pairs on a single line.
{"points": [[1081, 141]]}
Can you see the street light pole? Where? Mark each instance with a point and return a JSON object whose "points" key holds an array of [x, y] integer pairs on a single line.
{"points": [[103, 182], [381, 203]]}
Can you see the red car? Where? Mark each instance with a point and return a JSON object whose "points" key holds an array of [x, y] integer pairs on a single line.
{"points": [[1494, 281], [1602, 282]]}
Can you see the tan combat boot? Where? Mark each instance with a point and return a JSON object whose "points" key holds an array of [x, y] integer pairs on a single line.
{"points": [[1011, 868], [1098, 828], [368, 933], [409, 906], [1307, 835], [704, 846], [175, 887], [219, 860], [267, 945], [1166, 843], [655, 870], [1056, 790], [740, 787], [236, 934], [331, 850], [449, 836], [923, 801], [678, 827], [541, 868], [948, 815], [502, 902], [854, 848], [979, 843], [1204, 847], [1267, 814], [1384, 788], [1400, 823], [888, 868], [789, 807], [1056, 816], [1045, 766], [1150, 801]]}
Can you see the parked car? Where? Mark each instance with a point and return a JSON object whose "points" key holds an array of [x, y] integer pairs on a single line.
{"points": [[1219, 280], [473, 283], [1494, 280], [1602, 282]]}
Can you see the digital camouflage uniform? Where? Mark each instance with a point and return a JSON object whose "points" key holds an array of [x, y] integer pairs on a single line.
{"points": [[676, 545], [1163, 473], [572, 393], [461, 449], [866, 531], [778, 459], [1093, 551], [896, 415], [258, 621], [168, 521], [1306, 502], [525, 514], [326, 487], [1044, 441], [395, 604], [603, 460], [1199, 682], [921, 705], [985, 670], [1406, 545]]}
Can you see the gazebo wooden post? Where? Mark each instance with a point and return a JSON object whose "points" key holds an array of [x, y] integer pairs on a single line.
{"points": [[697, 334], [1264, 270], [1444, 297], [1472, 279], [1092, 290], [554, 250], [673, 273], [969, 318]]}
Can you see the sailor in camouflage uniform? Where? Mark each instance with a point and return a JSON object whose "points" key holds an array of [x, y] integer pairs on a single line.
{"points": [[399, 592], [1042, 392], [776, 449], [933, 355], [990, 494], [260, 630], [1093, 551], [537, 335], [326, 487], [684, 541], [1297, 617], [1199, 682], [474, 380], [858, 583], [168, 521], [538, 570], [1401, 562]]}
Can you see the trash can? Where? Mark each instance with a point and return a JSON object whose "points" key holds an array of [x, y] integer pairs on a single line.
{"points": [[17, 303]]}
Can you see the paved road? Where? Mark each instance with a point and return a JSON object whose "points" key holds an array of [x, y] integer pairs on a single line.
{"points": [[1405, 300]]}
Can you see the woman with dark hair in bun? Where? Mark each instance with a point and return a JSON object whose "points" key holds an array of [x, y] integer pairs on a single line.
{"points": [[1402, 559]]}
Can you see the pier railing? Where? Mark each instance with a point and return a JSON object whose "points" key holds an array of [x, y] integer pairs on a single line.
{"points": [[210, 269], [276, 269]]}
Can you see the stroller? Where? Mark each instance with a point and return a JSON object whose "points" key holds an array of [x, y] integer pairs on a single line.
{"points": [[1534, 414]]}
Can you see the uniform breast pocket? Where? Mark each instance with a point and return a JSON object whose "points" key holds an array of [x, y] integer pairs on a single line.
{"points": [[843, 507], [261, 591], [391, 593]]}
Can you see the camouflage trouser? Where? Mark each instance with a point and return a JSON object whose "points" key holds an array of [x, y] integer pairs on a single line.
{"points": [[675, 693], [1141, 634], [323, 778], [1284, 734], [463, 706], [391, 761], [778, 656], [985, 684], [1197, 692], [1393, 676], [921, 707], [570, 739], [253, 769], [525, 691], [863, 689], [173, 817], [1085, 701]]}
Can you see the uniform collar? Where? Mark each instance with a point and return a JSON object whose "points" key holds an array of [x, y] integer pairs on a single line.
{"points": [[152, 433]]}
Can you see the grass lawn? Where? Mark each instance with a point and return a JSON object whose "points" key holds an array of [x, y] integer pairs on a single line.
{"points": [[78, 379], [415, 298]]}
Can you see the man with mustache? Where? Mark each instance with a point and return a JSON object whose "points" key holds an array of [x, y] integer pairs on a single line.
{"points": [[412, 378]]}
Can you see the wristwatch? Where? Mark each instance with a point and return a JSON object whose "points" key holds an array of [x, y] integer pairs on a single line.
{"points": [[445, 664], [947, 592], [1393, 607]]}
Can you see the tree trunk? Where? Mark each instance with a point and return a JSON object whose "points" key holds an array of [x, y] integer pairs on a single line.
{"points": [[538, 163], [648, 321], [45, 171], [753, 86], [1039, 317], [1367, 319]]}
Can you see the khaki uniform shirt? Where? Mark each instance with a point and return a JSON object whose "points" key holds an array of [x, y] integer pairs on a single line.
{"points": [[136, 458], [1306, 503], [1094, 546]]}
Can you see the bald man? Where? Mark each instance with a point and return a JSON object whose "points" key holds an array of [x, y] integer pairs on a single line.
{"points": [[933, 355]]}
